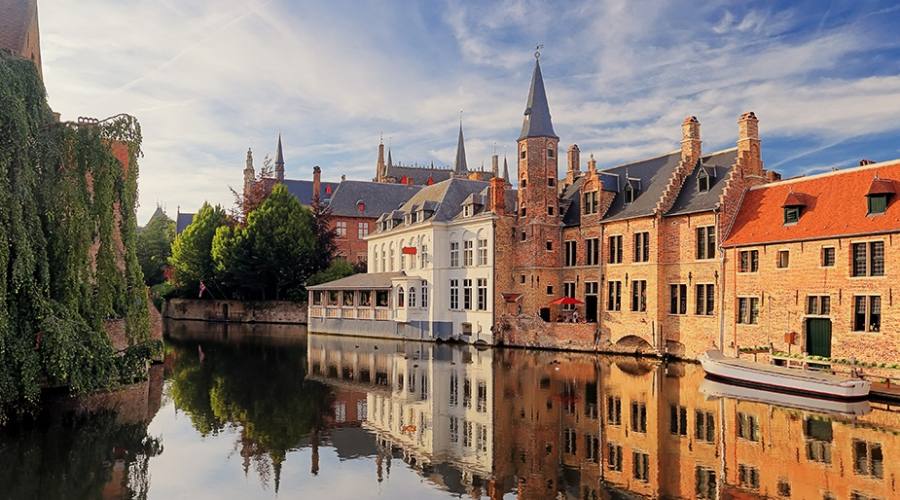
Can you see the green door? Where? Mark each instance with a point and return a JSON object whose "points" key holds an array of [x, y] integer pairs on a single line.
{"points": [[818, 337]]}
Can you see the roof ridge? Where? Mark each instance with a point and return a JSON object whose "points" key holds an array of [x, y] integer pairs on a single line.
{"points": [[858, 168], [635, 162]]}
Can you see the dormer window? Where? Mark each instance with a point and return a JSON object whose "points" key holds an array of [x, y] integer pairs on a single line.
{"points": [[879, 195], [703, 182], [630, 193], [793, 208], [791, 215], [467, 210]]}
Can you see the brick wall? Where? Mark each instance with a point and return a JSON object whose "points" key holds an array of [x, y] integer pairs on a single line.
{"points": [[350, 246], [783, 296]]}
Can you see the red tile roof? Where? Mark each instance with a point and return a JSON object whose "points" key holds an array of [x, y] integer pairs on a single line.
{"points": [[835, 205]]}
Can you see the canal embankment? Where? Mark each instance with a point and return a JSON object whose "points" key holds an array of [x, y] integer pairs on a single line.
{"points": [[236, 311]]}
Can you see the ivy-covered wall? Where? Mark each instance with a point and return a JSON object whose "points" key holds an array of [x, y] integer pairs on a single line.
{"points": [[68, 262]]}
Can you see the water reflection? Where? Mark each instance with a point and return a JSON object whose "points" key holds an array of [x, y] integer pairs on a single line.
{"points": [[557, 425], [266, 411]]}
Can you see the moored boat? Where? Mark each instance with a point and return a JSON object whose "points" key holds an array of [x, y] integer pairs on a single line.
{"points": [[783, 379]]}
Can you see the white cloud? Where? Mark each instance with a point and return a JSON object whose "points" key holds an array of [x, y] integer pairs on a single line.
{"points": [[209, 79]]}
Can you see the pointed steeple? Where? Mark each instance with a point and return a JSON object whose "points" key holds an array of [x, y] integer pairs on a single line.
{"points": [[537, 121], [390, 161], [279, 161], [460, 167], [505, 170]]}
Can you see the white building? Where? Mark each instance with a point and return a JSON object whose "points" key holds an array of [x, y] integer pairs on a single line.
{"points": [[430, 271]]}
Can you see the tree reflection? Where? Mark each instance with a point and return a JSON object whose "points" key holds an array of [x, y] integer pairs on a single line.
{"points": [[77, 456], [260, 390]]}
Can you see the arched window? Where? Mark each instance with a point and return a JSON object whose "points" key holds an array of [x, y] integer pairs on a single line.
{"points": [[402, 257], [375, 260], [383, 259], [401, 299], [391, 259], [412, 296], [424, 294]]}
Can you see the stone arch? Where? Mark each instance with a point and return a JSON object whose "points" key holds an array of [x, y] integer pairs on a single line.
{"points": [[634, 344]]}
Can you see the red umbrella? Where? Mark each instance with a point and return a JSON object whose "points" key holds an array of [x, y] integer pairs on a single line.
{"points": [[566, 301]]}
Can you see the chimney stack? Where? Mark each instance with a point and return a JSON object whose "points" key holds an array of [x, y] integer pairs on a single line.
{"points": [[592, 165], [574, 164], [749, 145], [498, 195], [690, 141], [317, 183]]}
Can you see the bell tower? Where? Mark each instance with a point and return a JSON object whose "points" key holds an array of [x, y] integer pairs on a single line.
{"points": [[538, 234]]}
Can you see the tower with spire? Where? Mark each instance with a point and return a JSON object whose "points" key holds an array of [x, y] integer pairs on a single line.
{"points": [[538, 226], [279, 162], [460, 167], [249, 172]]}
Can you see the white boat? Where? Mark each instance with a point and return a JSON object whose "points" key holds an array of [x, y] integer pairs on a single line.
{"points": [[783, 379], [714, 389]]}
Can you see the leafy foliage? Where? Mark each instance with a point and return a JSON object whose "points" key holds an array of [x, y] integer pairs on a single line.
{"points": [[67, 242], [191, 258], [273, 254], [154, 246], [339, 268]]}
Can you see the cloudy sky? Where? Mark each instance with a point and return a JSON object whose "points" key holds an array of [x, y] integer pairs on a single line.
{"points": [[208, 79]]}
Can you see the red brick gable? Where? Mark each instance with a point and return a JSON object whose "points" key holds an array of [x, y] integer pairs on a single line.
{"points": [[835, 205]]}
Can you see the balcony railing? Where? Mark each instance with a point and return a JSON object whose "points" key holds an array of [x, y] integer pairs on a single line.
{"points": [[350, 312]]}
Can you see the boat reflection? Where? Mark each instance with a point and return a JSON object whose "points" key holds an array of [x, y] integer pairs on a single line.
{"points": [[535, 425]]}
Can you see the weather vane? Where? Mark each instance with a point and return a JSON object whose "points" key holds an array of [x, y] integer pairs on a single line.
{"points": [[537, 50]]}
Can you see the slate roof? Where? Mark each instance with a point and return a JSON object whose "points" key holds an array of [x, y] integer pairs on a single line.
{"points": [[537, 121], [371, 281], [651, 175], [15, 20], [377, 198], [836, 206], [183, 220], [303, 190], [419, 175], [570, 204], [718, 166], [446, 198]]}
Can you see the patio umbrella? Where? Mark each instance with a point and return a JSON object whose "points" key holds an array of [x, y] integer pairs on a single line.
{"points": [[566, 301]]}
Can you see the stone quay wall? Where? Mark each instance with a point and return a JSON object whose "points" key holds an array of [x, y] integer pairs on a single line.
{"points": [[270, 311]]}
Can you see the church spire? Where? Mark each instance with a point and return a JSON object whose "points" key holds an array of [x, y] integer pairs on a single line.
{"points": [[537, 121], [279, 161], [460, 167], [390, 161], [505, 170]]}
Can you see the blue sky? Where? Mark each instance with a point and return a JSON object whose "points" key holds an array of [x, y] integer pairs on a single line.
{"points": [[208, 79]]}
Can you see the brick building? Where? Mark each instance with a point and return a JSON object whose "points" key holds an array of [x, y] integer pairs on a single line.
{"points": [[810, 265], [19, 31], [637, 245]]}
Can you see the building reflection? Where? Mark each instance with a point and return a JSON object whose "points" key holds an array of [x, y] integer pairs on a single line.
{"points": [[534, 425]]}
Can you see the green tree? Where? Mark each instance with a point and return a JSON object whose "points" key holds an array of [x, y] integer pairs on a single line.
{"points": [[339, 268], [191, 258], [273, 254], [154, 246]]}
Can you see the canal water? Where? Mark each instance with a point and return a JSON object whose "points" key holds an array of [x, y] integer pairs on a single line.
{"points": [[269, 411]]}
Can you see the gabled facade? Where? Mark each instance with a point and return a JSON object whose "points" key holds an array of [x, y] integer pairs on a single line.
{"points": [[636, 245]]}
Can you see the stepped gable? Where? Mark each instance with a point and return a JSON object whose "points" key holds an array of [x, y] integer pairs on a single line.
{"points": [[716, 167]]}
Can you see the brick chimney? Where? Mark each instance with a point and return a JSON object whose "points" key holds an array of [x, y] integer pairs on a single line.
{"points": [[690, 141], [748, 144], [592, 165], [498, 195], [574, 168], [317, 183]]}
